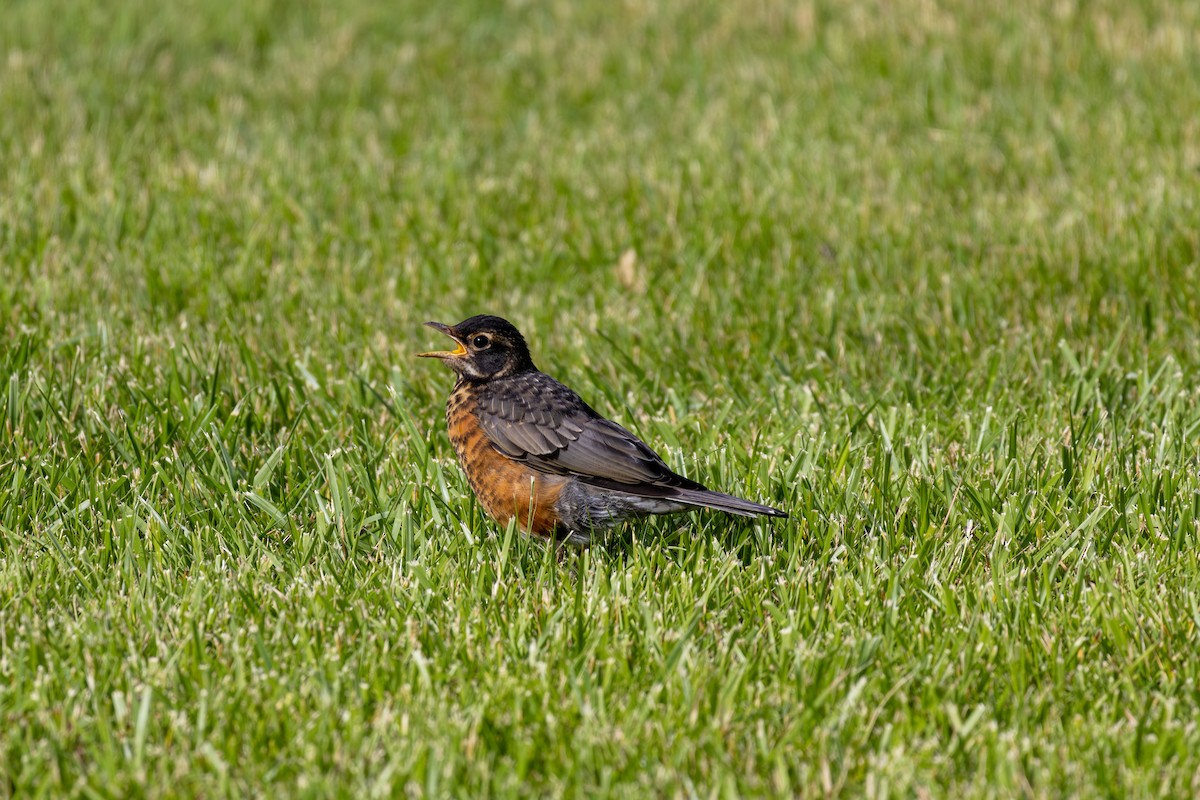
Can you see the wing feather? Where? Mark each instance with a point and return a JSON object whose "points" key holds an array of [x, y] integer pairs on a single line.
{"points": [[535, 419]]}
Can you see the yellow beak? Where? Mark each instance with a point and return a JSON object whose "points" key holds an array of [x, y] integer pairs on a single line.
{"points": [[446, 329]]}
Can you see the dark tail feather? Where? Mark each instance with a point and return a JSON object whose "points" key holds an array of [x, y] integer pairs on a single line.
{"points": [[706, 498], [692, 495]]}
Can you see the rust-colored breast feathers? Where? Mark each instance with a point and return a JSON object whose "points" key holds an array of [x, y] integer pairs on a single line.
{"points": [[505, 488]]}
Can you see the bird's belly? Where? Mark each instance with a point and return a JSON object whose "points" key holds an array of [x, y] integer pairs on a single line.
{"points": [[506, 489], [583, 508]]}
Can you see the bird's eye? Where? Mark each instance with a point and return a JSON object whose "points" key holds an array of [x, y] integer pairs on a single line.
{"points": [[480, 342]]}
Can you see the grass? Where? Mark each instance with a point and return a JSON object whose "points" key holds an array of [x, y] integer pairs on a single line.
{"points": [[925, 274]]}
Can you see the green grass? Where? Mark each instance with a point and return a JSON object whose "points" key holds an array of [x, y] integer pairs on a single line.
{"points": [[925, 274]]}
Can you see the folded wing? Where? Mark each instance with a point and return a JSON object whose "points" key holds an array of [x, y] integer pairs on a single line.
{"points": [[535, 419]]}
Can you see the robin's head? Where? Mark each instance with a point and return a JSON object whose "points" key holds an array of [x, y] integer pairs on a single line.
{"points": [[488, 347]]}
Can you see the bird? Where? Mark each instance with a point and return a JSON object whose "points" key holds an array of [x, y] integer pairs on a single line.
{"points": [[534, 451]]}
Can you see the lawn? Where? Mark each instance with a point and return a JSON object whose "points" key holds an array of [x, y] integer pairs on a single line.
{"points": [[926, 274]]}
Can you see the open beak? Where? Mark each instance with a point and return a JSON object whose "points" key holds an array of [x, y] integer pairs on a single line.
{"points": [[446, 329]]}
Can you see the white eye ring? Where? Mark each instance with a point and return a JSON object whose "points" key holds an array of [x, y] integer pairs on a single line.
{"points": [[480, 342]]}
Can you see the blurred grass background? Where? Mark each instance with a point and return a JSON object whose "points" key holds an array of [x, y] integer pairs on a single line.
{"points": [[924, 273]]}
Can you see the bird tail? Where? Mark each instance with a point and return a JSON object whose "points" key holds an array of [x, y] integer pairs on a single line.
{"points": [[707, 498]]}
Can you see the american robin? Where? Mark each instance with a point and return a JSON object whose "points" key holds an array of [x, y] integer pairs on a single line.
{"points": [[532, 449]]}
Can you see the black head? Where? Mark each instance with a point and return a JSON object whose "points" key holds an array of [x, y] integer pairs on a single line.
{"points": [[488, 347]]}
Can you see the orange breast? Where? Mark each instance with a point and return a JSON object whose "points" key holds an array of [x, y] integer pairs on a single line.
{"points": [[505, 488]]}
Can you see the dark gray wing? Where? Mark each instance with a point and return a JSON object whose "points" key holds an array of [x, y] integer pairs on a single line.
{"points": [[534, 419]]}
